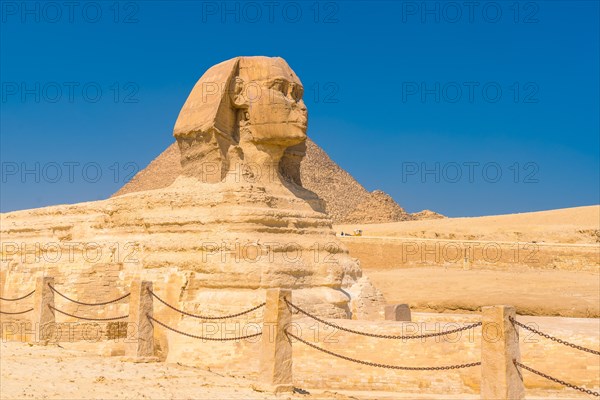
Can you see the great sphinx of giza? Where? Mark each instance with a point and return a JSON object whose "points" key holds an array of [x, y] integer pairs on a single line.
{"points": [[236, 222]]}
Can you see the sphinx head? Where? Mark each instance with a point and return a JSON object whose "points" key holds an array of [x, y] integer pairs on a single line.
{"points": [[244, 111]]}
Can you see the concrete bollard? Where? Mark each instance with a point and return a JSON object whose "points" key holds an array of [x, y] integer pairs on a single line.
{"points": [[500, 378], [397, 312], [42, 317], [139, 346], [276, 349]]}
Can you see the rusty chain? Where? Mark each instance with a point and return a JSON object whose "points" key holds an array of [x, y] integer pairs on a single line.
{"points": [[427, 335], [590, 392], [16, 313], [203, 316], [19, 298], [372, 364], [201, 337], [87, 304], [86, 318], [557, 340]]}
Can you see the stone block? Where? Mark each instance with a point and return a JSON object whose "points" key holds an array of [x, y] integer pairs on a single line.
{"points": [[500, 378], [276, 349], [397, 312], [140, 347], [42, 316]]}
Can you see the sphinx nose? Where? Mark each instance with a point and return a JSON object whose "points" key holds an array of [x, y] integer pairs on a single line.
{"points": [[299, 105]]}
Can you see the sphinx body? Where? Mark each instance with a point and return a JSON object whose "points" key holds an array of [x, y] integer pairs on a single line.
{"points": [[236, 222]]}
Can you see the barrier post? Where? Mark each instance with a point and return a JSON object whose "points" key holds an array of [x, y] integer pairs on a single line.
{"points": [[500, 378], [276, 349], [3, 274], [140, 347], [42, 316]]}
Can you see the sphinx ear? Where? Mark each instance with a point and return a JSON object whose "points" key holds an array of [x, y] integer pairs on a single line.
{"points": [[238, 95]]}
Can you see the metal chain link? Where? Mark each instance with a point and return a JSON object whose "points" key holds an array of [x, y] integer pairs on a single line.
{"points": [[86, 318], [16, 313], [590, 392], [87, 304], [427, 335], [371, 364], [557, 340], [203, 316], [19, 298], [201, 337]]}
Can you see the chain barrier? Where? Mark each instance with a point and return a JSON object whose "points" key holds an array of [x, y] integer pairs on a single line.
{"points": [[375, 335], [371, 364], [203, 316], [201, 337], [557, 340], [16, 313], [87, 304], [19, 298], [590, 392], [86, 318]]}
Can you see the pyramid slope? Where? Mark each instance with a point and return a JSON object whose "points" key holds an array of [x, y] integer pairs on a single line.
{"points": [[160, 173], [378, 207]]}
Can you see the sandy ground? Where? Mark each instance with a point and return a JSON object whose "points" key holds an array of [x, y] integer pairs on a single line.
{"points": [[556, 293], [567, 225], [36, 372], [532, 291]]}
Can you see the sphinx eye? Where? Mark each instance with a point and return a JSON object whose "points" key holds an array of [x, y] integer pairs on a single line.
{"points": [[298, 92], [279, 85]]}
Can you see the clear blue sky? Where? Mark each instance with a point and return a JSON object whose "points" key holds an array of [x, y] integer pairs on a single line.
{"points": [[392, 90]]}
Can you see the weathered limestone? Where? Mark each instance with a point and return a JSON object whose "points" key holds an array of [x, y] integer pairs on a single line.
{"points": [[42, 316], [276, 348], [397, 312], [140, 345], [500, 378], [2, 281]]}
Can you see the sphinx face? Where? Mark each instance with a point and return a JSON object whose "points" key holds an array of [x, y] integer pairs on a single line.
{"points": [[257, 115], [276, 114]]}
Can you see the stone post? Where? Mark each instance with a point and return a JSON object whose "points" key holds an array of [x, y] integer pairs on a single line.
{"points": [[276, 349], [42, 316], [500, 378], [397, 312], [139, 347], [3, 274]]}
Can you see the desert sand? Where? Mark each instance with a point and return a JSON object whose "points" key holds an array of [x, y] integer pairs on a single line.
{"points": [[77, 371], [450, 287], [579, 225]]}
